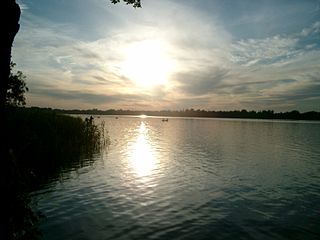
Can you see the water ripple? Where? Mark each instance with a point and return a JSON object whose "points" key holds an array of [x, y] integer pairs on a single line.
{"points": [[191, 179]]}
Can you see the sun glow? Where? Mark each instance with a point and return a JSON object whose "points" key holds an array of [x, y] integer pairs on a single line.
{"points": [[147, 64]]}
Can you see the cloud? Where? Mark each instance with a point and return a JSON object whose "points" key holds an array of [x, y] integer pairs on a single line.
{"points": [[274, 71], [48, 53], [219, 60], [86, 97], [256, 88], [263, 51], [304, 94], [276, 49], [314, 29], [23, 6], [201, 82], [310, 89]]}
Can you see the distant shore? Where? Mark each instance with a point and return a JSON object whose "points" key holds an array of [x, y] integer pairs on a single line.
{"points": [[264, 114]]}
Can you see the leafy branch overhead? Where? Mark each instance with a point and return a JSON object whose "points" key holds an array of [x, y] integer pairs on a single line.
{"points": [[135, 3]]}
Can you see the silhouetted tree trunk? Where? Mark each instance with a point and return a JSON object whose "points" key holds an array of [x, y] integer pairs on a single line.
{"points": [[9, 26]]}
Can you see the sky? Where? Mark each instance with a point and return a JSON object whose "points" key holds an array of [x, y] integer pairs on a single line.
{"points": [[171, 54]]}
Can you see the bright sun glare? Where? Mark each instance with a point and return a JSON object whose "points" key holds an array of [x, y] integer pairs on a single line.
{"points": [[147, 63], [142, 157]]}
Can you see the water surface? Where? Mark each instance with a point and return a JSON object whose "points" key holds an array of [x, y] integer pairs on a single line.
{"points": [[191, 178]]}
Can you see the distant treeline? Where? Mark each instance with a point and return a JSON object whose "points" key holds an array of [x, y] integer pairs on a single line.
{"points": [[265, 114]]}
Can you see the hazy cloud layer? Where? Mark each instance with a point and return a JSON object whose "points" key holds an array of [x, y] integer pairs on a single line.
{"points": [[225, 55]]}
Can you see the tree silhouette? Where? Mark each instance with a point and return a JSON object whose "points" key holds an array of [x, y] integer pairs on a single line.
{"points": [[9, 27], [16, 88]]}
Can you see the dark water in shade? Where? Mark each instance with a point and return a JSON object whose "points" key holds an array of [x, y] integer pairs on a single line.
{"points": [[191, 179]]}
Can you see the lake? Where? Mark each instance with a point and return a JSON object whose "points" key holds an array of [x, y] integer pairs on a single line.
{"points": [[190, 178]]}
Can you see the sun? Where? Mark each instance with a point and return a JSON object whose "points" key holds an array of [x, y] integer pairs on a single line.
{"points": [[147, 64]]}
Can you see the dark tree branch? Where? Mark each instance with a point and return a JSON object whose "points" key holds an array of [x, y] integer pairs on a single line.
{"points": [[135, 3]]}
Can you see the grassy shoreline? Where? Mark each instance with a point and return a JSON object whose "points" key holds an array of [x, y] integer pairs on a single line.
{"points": [[40, 143]]}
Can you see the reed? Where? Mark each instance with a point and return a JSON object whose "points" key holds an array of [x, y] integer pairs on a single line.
{"points": [[41, 144]]}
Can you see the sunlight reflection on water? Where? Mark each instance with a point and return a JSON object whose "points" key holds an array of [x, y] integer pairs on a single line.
{"points": [[191, 179], [141, 155]]}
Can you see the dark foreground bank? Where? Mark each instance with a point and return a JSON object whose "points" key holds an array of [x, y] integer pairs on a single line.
{"points": [[38, 144]]}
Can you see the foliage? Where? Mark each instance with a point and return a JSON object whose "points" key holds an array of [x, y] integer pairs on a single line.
{"points": [[16, 88], [135, 3], [42, 143], [43, 140]]}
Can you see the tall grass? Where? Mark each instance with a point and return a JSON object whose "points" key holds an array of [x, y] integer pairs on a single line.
{"points": [[43, 141], [40, 143]]}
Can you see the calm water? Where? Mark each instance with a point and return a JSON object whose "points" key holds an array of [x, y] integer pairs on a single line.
{"points": [[191, 179]]}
